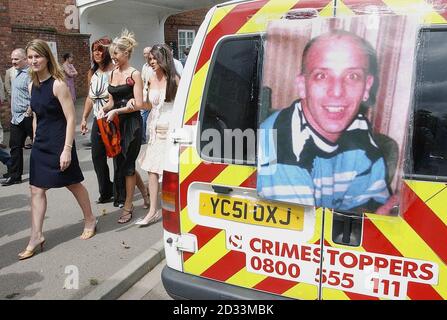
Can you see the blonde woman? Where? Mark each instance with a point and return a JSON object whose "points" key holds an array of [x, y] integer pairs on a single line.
{"points": [[162, 89], [53, 162], [126, 101]]}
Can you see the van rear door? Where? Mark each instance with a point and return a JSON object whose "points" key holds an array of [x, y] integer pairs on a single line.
{"points": [[240, 239], [400, 256]]}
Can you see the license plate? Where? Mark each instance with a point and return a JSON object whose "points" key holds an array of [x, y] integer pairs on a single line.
{"points": [[262, 213]]}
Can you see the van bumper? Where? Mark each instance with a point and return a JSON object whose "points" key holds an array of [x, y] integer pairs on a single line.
{"points": [[182, 286]]}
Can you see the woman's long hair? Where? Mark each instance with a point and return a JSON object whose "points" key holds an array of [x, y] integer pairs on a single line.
{"points": [[162, 53], [42, 48], [103, 46]]}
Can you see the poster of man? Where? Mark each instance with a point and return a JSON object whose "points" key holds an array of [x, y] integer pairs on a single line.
{"points": [[334, 126]]}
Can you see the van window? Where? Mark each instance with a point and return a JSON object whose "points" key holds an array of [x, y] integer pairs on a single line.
{"points": [[230, 104], [430, 112]]}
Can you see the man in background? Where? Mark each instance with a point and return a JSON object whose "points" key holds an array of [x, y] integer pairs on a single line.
{"points": [[21, 120], [178, 65], [185, 56], [4, 155], [10, 74]]}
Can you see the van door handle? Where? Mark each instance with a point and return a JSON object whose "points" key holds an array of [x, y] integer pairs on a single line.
{"points": [[181, 136], [347, 229], [222, 190]]}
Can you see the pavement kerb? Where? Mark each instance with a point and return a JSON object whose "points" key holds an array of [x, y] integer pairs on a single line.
{"points": [[123, 280]]}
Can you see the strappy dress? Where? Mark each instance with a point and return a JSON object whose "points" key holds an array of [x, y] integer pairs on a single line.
{"points": [[130, 128]]}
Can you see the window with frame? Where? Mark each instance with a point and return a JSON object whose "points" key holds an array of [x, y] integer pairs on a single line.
{"points": [[229, 115], [429, 145], [185, 40]]}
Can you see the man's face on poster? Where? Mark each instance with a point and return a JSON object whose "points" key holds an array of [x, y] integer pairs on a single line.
{"points": [[334, 82]]}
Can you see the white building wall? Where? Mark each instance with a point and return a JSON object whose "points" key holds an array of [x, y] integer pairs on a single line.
{"points": [[109, 19], [145, 18]]}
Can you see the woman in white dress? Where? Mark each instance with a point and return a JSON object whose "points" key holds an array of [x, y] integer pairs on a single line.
{"points": [[162, 87]]}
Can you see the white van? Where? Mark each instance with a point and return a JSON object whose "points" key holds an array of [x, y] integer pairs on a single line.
{"points": [[222, 241]]}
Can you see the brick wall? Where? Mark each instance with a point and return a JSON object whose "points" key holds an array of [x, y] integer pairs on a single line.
{"points": [[31, 14], [189, 20], [40, 13], [76, 43], [80, 47], [5, 35], [22, 21]]}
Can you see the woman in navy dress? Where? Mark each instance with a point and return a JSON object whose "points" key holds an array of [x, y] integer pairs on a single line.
{"points": [[126, 101], [53, 162]]}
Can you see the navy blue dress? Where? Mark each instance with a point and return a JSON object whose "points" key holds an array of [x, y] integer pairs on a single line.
{"points": [[49, 142]]}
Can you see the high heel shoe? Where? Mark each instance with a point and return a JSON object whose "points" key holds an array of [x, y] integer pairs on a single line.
{"points": [[89, 233], [153, 219], [29, 253], [126, 217]]}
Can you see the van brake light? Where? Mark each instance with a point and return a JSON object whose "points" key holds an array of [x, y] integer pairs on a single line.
{"points": [[170, 202]]}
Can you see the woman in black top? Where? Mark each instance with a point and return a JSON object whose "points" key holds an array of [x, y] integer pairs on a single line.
{"points": [[126, 84]]}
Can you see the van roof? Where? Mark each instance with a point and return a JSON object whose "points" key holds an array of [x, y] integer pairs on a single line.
{"points": [[233, 2]]}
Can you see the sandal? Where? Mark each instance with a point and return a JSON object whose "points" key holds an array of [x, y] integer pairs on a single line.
{"points": [[89, 233], [123, 218], [28, 253]]}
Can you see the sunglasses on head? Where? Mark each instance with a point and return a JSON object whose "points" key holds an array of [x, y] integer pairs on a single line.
{"points": [[160, 47], [98, 47]]}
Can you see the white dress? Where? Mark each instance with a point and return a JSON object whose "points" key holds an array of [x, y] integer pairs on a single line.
{"points": [[151, 160]]}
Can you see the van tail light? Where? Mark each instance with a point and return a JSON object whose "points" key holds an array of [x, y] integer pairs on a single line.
{"points": [[170, 202]]}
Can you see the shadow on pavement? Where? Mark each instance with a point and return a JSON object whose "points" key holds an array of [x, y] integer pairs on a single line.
{"points": [[18, 282], [13, 223], [14, 202], [53, 238]]}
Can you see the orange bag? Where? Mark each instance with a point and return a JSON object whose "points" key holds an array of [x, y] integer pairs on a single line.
{"points": [[110, 135]]}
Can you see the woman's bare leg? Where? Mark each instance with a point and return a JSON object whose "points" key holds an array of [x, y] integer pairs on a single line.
{"points": [[38, 210], [126, 214], [153, 194], [130, 190], [143, 190], [81, 195]]}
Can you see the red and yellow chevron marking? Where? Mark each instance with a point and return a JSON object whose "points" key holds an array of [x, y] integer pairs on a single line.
{"points": [[213, 260], [424, 7], [419, 233], [244, 18]]}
